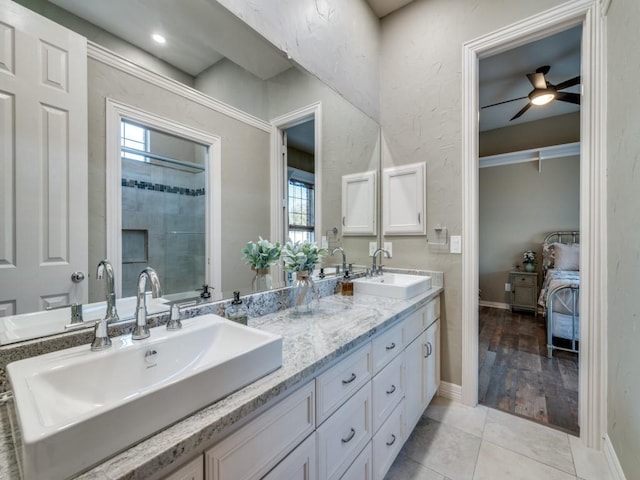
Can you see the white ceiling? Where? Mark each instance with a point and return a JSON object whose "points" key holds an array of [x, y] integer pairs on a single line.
{"points": [[385, 7], [503, 77], [197, 36]]}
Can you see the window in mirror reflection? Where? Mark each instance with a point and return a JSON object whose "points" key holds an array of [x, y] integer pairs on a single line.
{"points": [[163, 210], [301, 211]]}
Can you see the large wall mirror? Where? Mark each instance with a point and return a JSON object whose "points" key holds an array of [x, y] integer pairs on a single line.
{"points": [[253, 78]]}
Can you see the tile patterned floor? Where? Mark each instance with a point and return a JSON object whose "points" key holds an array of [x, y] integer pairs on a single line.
{"points": [[455, 442], [515, 374]]}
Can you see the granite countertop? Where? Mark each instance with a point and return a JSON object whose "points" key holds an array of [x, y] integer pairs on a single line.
{"points": [[310, 343]]}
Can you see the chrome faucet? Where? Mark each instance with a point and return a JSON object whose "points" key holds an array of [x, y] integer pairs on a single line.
{"points": [[141, 331], [105, 267], [344, 257], [374, 268]]}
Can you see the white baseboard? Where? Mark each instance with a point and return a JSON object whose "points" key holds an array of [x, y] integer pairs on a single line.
{"points": [[500, 305], [450, 391], [612, 460]]}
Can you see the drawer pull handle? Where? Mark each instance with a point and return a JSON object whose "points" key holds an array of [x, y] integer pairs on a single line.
{"points": [[426, 350], [391, 347], [391, 390], [349, 437], [350, 379], [393, 440], [429, 349]]}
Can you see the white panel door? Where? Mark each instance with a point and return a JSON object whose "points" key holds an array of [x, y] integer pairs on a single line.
{"points": [[43, 162]]}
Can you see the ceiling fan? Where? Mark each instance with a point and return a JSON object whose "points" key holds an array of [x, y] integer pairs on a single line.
{"points": [[544, 92]]}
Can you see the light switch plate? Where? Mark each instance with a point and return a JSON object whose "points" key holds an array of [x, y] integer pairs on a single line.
{"points": [[388, 246], [456, 244], [372, 248], [325, 243], [507, 287]]}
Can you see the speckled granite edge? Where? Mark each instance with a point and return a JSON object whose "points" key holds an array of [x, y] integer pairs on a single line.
{"points": [[189, 437]]}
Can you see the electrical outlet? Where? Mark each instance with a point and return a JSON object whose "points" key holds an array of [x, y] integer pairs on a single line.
{"points": [[388, 246], [507, 287], [372, 248]]}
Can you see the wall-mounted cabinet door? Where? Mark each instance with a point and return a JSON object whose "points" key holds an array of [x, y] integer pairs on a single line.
{"points": [[404, 200], [359, 204]]}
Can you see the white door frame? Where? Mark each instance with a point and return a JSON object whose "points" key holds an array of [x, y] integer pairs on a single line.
{"points": [[117, 111], [593, 221], [278, 172]]}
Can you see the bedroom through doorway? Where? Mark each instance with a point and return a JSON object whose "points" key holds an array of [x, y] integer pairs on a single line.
{"points": [[529, 187]]}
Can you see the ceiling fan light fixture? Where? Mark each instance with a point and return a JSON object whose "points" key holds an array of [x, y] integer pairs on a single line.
{"points": [[542, 97]]}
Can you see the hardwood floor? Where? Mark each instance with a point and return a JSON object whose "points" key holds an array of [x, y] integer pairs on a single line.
{"points": [[515, 374]]}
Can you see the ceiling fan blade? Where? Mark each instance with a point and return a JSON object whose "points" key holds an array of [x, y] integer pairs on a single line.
{"points": [[537, 80], [569, 83], [568, 97], [524, 109], [506, 101]]}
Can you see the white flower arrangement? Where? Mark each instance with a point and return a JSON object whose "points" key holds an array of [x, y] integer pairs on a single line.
{"points": [[302, 256], [261, 254], [529, 257]]}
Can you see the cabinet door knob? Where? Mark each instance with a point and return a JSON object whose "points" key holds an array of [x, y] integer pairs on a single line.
{"points": [[349, 437], [350, 379]]}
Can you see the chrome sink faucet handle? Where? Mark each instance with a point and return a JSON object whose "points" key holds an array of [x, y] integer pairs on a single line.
{"points": [[101, 340], [344, 257], [76, 312], [174, 322], [141, 331], [105, 267], [374, 267]]}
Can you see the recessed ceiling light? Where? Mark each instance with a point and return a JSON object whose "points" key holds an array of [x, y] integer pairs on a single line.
{"points": [[159, 38]]}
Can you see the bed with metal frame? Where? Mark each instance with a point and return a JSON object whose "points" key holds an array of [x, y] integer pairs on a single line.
{"points": [[560, 293]]}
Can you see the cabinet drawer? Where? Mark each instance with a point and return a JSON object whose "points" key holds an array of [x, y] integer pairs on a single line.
{"points": [[387, 442], [362, 467], [387, 389], [523, 280], [343, 436], [385, 347], [299, 464], [336, 384], [256, 448], [414, 325], [433, 311], [194, 470]]}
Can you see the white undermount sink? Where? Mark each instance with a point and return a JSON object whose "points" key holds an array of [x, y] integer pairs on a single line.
{"points": [[393, 285], [76, 407]]}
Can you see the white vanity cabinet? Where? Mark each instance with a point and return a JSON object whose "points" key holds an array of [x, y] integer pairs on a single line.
{"points": [[348, 423], [404, 200], [253, 450], [422, 365]]}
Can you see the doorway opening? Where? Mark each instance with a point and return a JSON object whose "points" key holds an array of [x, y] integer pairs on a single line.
{"points": [[593, 262], [529, 186]]}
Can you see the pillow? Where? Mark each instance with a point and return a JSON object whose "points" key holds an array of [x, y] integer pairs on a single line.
{"points": [[566, 257], [547, 255]]}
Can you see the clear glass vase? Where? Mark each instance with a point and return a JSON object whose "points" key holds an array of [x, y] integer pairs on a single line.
{"points": [[305, 294], [262, 280]]}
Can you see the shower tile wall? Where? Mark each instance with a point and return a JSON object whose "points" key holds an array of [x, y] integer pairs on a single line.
{"points": [[175, 222]]}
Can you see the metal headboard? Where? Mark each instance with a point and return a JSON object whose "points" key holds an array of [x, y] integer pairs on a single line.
{"points": [[568, 238], [559, 237]]}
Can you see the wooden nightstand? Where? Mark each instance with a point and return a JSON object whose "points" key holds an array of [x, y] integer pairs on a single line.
{"points": [[524, 291]]}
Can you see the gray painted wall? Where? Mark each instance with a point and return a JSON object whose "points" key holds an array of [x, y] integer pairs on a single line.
{"points": [[336, 40], [421, 117], [623, 130], [518, 207]]}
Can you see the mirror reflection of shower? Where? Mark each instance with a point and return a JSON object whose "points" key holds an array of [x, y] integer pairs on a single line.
{"points": [[163, 210]]}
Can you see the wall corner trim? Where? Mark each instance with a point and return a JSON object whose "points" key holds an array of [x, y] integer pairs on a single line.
{"points": [[450, 391], [612, 460]]}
